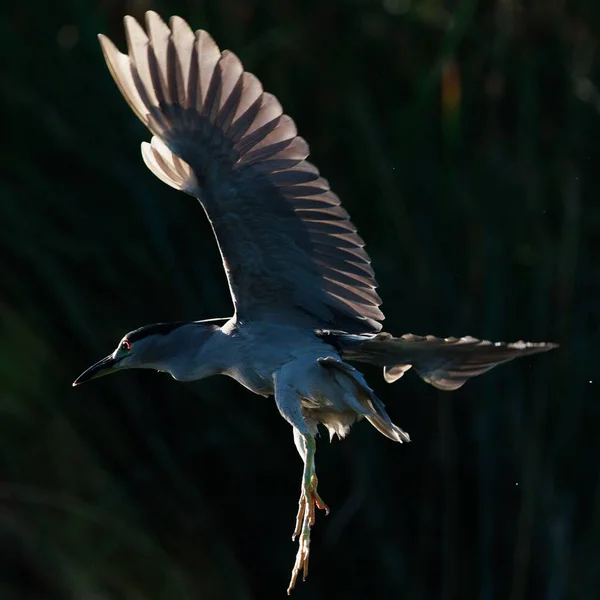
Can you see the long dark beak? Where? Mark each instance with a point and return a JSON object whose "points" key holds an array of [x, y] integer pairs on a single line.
{"points": [[102, 367]]}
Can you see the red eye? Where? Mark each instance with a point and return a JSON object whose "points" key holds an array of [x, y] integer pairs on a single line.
{"points": [[125, 345]]}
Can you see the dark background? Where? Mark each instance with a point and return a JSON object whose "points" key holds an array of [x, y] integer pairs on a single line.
{"points": [[463, 137]]}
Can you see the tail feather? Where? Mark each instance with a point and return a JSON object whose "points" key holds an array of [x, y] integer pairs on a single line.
{"points": [[446, 363], [389, 429], [365, 402]]}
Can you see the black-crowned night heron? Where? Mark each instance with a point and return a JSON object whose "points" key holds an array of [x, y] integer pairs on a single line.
{"points": [[301, 282]]}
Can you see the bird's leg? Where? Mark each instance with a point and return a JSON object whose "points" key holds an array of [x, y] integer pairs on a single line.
{"points": [[309, 498], [288, 399]]}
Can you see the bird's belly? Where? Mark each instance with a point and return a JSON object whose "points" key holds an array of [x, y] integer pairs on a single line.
{"points": [[253, 380]]}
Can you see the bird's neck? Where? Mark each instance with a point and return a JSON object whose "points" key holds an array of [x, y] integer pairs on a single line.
{"points": [[194, 351]]}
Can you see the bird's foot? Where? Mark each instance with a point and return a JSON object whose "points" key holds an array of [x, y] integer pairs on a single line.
{"points": [[309, 499], [305, 519]]}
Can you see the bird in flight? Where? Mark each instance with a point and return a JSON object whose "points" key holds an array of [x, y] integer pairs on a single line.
{"points": [[303, 290]]}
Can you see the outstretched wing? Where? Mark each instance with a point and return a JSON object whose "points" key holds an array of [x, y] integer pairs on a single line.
{"points": [[446, 363], [289, 249]]}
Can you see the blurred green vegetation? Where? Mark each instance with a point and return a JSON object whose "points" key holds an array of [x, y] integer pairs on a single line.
{"points": [[463, 138]]}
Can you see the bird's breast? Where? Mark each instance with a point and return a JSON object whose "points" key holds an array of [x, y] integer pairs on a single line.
{"points": [[263, 349]]}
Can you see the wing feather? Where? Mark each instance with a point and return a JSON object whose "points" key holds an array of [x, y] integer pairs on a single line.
{"points": [[446, 363], [183, 74], [289, 249]]}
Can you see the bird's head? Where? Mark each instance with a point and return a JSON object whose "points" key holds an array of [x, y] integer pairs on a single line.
{"points": [[162, 347]]}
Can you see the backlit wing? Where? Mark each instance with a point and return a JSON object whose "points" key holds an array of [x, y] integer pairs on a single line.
{"points": [[446, 363], [289, 249]]}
